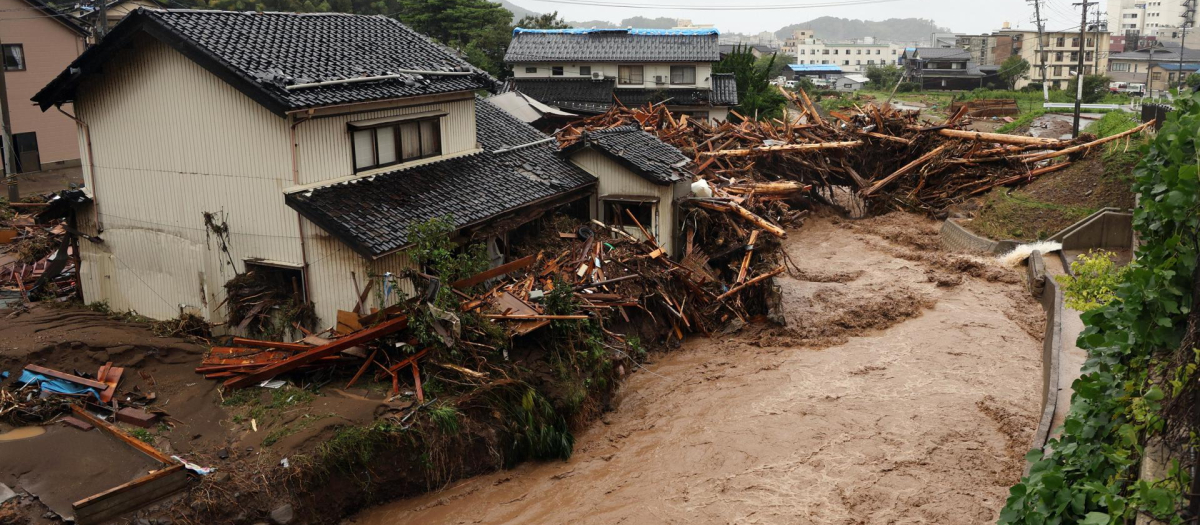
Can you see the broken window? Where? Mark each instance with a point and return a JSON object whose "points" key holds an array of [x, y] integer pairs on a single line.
{"points": [[14, 57], [616, 213], [394, 143], [683, 74], [630, 75]]}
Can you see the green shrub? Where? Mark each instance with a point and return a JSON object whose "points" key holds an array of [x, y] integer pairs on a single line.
{"points": [[1095, 281]]}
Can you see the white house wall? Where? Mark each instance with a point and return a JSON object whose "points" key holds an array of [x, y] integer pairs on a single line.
{"points": [[614, 179], [649, 71], [324, 151], [170, 141]]}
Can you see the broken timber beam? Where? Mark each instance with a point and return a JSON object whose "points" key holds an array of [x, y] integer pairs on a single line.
{"points": [[771, 188], [1090, 145], [746, 152], [67, 377], [333, 347], [906, 169], [494, 272]]}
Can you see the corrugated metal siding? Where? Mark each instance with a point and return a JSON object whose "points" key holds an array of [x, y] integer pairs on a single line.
{"points": [[171, 141], [330, 264], [615, 179], [324, 143]]}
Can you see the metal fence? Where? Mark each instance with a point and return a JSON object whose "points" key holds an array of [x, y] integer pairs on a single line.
{"points": [[1158, 112]]}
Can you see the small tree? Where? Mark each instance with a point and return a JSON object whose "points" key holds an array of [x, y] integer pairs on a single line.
{"points": [[1095, 87], [1193, 80], [543, 21], [757, 98], [774, 68], [883, 77], [1012, 69]]}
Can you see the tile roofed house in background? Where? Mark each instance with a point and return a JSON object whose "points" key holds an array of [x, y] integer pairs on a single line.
{"points": [[374, 215], [571, 94], [942, 53], [639, 151], [266, 55], [613, 45]]}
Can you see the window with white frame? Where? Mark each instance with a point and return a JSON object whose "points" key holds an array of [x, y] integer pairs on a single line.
{"points": [[683, 74], [630, 75], [382, 144]]}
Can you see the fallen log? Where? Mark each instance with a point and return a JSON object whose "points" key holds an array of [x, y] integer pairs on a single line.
{"points": [[770, 188], [999, 138], [751, 282], [1089, 145], [1017, 178], [746, 152], [758, 221], [904, 170]]}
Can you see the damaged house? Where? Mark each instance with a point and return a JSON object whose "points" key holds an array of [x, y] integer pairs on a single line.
{"points": [[588, 70], [304, 146]]}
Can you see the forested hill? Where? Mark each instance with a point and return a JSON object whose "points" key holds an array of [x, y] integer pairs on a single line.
{"points": [[892, 29]]}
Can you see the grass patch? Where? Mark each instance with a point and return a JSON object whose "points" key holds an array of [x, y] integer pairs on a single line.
{"points": [[1024, 120], [143, 435], [1011, 215], [445, 416], [302, 423], [1112, 123]]}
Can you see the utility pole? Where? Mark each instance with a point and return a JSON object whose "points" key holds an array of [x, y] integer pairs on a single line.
{"points": [[1189, 18], [1079, 64], [103, 20], [10, 152], [1041, 53]]}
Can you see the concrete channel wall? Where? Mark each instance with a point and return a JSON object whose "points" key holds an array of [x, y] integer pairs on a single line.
{"points": [[957, 238], [1052, 345]]}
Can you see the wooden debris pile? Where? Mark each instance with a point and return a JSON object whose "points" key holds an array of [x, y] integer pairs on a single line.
{"points": [[606, 274], [887, 156], [37, 258]]}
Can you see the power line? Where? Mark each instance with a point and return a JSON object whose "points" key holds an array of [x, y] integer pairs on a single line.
{"points": [[693, 7]]}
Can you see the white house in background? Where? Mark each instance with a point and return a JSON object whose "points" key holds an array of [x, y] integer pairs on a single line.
{"points": [[296, 132], [589, 70], [850, 83]]}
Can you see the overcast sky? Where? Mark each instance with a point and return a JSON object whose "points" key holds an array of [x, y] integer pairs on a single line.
{"points": [[964, 16]]}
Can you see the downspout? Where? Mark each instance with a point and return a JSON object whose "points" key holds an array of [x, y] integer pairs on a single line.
{"points": [[300, 220], [87, 137]]}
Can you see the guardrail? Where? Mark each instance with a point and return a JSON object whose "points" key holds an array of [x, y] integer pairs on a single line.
{"points": [[1071, 105]]}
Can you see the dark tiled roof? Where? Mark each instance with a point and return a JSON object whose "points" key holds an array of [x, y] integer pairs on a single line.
{"points": [[373, 215], [583, 94], [943, 53], [260, 53], [724, 88], [613, 45], [639, 151], [579, 94]]}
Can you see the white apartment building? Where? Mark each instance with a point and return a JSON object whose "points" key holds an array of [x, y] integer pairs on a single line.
{"points": [[851, 57], [1159, 18]]}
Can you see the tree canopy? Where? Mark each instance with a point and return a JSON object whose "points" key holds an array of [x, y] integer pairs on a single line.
{"points": [[543, 21], [757, 98], [1095, 87], [1012, 69], [882, 77]]}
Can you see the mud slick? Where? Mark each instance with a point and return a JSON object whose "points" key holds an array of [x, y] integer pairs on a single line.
{"points": [[890, 398]]}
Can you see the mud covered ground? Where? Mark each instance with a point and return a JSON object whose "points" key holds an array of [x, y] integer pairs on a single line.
{"points": [[904, 390]]}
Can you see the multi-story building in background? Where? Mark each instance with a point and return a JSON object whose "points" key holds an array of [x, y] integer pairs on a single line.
{"points": [[1060, 54], [1158, 18], [991, 49], [851, 57]]}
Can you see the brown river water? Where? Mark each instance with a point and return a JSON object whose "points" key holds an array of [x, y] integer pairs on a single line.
{"points": [[897, 418]]}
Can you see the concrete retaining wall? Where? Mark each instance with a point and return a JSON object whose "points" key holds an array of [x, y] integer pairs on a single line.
{"points": [[957, 238]]}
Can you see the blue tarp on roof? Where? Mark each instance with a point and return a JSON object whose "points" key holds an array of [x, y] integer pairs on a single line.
{"points": [[815, 68], [637, 32], [1175, 67]]}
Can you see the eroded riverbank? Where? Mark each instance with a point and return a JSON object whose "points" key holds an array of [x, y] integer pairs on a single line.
{"points": [[902, 392]]}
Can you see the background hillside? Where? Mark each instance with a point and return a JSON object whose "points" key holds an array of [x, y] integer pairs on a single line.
{"points": [[892, 29]]}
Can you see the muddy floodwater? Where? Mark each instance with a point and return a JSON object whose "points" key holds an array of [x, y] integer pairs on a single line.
{"points": [[899, 393]]}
